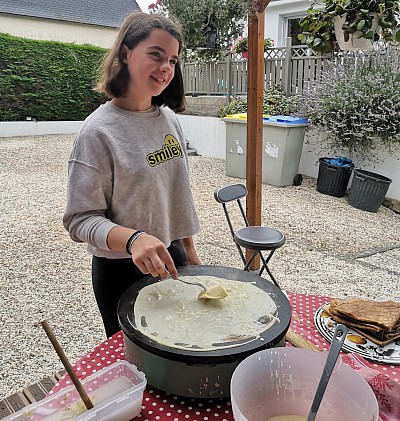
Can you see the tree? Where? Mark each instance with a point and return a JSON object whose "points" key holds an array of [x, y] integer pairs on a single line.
{"points": [[209, 26]]}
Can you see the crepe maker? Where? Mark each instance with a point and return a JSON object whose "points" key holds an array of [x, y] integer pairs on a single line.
{"points": [[192, 373]]}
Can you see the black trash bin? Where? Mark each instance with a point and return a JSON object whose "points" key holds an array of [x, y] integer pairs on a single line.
{"points": [[368, 190], [333, 179]]}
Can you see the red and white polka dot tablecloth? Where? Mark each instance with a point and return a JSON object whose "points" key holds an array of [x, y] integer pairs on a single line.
{"points": [[158, 405]]}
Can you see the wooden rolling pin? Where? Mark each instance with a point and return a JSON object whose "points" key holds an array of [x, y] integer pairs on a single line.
{"points": [[299, 341]]}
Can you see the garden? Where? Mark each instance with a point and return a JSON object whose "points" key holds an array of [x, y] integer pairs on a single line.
{"points": [[351, 108]]}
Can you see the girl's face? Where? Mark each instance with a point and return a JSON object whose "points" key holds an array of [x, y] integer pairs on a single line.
{"points": [[151, 64]]}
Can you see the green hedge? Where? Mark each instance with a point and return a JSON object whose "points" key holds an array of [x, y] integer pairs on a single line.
{"points": [[47, 80]]}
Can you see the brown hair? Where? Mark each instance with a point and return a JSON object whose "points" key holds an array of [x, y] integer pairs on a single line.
{"points": [[115, 77]]}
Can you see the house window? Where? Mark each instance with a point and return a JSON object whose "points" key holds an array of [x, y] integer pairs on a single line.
{"points": [[291, 28]]}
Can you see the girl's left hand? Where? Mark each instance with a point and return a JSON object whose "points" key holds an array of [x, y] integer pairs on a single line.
{"points": [[191, 253], [193, 259]]}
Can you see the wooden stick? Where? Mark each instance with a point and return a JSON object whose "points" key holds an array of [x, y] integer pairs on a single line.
{"points": [[299, 341], [78, 385]]}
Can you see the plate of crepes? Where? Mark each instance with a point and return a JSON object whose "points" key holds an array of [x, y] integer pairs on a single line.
{"points": [[374, 327]]}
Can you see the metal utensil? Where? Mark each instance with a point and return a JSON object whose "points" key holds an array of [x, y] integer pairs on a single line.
{"points": [[336, 345], [215, 292], [192, 283]]}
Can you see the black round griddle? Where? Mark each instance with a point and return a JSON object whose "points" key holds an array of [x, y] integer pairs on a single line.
{"points": [[269, 338]]}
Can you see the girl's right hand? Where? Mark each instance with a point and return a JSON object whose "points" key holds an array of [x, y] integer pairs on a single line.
{"points": [[151, 256]]}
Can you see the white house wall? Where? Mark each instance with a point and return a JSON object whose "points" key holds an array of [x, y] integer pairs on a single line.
{"points": [[46, 29], [275, 14]]}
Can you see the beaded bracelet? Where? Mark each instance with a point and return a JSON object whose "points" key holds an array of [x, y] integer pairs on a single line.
{"points": [[131, 240]]}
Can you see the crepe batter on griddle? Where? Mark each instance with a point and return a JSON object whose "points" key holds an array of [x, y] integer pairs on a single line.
{"points": [[170, 313]]}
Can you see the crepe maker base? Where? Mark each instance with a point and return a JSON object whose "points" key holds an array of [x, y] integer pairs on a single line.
{"points": [[191, 373]]}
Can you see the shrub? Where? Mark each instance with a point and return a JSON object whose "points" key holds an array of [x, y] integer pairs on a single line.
{"points": [[356, 107], [275, 102]]}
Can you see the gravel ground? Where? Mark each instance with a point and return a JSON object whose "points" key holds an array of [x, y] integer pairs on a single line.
{"points": [[332, 249]]}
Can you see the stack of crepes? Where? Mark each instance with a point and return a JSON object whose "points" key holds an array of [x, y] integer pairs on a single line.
{"points": [[378, 321]]}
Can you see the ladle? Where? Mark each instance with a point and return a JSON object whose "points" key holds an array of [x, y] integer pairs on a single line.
{"points": [[336, 345]]}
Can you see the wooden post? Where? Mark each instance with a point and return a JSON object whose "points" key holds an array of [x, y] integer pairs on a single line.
{"points": [[255, 89]]}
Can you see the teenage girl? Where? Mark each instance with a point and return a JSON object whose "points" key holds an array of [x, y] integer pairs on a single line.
{"points": [[129, 195]]}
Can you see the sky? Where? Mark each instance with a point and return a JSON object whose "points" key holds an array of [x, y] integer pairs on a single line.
{"points": [[144, 4]]}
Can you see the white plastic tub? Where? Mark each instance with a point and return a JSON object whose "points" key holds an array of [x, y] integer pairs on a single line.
{"points": [[116, 392], [283, 381]]}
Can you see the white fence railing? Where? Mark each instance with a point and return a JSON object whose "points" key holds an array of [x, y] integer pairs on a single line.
{"points": [[291, 67]]}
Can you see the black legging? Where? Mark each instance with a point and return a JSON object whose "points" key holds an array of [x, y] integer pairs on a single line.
{"points": [[111, 278]]}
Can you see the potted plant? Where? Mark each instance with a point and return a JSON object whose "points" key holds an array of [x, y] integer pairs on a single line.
{"points": [[352, 108], [350, 24], [241, 45]]}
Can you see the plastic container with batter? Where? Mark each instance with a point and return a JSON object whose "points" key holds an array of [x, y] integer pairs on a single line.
{"points": [[116, 392], [283, 381]]}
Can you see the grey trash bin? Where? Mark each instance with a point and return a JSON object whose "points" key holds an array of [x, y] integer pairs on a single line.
{"points": [[283, 138], [236, 135], [282, 146]]}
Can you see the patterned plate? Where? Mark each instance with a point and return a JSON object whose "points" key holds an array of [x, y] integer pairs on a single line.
{"points": [[355, 342]]}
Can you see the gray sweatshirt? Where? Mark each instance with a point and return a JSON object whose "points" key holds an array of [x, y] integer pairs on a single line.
{"points": [[129, 169]]}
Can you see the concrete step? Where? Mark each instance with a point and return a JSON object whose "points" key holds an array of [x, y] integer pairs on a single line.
{"points": [[189, 150]]}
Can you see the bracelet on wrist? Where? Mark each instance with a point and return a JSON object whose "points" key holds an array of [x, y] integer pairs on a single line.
{"points": [[132, 239]]}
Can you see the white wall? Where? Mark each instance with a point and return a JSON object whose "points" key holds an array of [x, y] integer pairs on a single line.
{"points": [[275, 13], [208, 136], [388, 167], [29, 128], [46, 29]]}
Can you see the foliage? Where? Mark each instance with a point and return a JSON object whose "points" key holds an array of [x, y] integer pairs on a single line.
{"points": [[275, 102], [318, 29], [237, 105], [47, 80], [318, 32], [204, 22], [354, 107], [241, 45]]}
